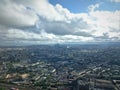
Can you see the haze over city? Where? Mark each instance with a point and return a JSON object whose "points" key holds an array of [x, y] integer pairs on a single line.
{"points": [[59, 44]]}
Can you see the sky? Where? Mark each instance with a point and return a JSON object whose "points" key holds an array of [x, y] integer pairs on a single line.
{"points": [[28, 22]]}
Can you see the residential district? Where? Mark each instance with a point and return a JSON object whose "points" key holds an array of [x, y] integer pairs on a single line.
{"points": [[60, 67]]}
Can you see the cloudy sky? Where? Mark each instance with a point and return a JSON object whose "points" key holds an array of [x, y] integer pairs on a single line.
{"points": [[25, 22]]}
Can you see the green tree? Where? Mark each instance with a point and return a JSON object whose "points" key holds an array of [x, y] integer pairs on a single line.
{"points": [[2, 88]]}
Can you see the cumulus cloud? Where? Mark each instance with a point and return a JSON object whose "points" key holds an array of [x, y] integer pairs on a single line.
{"points": [[14, 15], [105, 21], [115, 0], [16, 34], [92, 8], [43, 8], [34, 21]]}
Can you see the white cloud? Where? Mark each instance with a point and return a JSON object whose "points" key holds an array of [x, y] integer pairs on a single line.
{"points": [[93, 7], [16, 34], [104, 21], [115, 0], [14, 15], [41, 22], [25, 35], [43, 8]]}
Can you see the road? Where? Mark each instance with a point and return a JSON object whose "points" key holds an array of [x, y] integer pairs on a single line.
{"points": [[8, 86]]}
